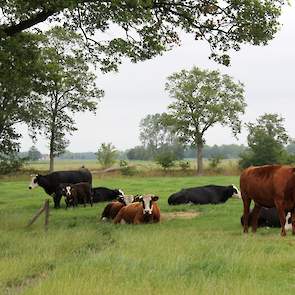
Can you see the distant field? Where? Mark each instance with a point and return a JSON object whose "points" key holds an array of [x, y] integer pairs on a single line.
{"points": [[207, 254], [228, 167]]}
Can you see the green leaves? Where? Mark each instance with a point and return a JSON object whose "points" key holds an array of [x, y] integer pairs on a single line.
{"points": [[106, 155], [203, 99], [266, 140], [142, 29]]}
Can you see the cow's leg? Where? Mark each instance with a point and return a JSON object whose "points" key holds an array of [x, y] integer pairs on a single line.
{"points": [[255, 215], [282, 216], [293, 221], [56, 199], [246, 203]]}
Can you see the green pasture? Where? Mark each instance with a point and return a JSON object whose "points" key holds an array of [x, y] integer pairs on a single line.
{"points": [[207, 254]]}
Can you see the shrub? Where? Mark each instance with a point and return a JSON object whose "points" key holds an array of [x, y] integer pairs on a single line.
{"points": [[184, 165], [166, 160], [126, 169]]}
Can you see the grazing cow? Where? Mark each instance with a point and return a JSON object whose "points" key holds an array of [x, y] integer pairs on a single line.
{"points": [[112, 209], [268, 186], [144, 211], [51, 182], [78, 193], [102, 194], [268, 217], [209, 194]]}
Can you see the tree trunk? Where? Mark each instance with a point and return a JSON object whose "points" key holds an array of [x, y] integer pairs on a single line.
{"points": [[51, 159], [199, 158], [51, 152]]}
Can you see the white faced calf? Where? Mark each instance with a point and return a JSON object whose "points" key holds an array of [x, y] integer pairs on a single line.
{"points": [[144, 211]]}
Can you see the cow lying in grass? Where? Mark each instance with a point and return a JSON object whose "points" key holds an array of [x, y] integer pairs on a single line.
{"points": [[144, 211], [268, 217], [79, 193], [112, 209]]}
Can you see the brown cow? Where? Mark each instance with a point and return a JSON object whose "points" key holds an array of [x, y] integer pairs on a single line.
{"points": [[268, 186], [78, 193], [112, 209], [144, 211]]}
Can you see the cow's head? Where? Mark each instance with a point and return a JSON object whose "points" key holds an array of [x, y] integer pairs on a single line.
{"points": [[147, 203], [121, 193], [126, 200], [34, 181], [67, 191], [235, 192]]}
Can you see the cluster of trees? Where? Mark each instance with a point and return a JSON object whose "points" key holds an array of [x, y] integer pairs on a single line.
{"points": [[45, 76], [225, 151]]}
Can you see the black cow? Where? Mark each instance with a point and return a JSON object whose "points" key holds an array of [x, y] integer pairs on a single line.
{"points": [[77, 193], [268, 217], [52, 183], [209, 194], [102, 194]]}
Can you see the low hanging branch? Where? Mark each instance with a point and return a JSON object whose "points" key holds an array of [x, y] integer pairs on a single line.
{"points": [[45, 209]]}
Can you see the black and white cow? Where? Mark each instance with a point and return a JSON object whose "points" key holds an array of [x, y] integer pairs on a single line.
{"points": [[268, 217], [102, 194], [209, 194], [53, 182]]}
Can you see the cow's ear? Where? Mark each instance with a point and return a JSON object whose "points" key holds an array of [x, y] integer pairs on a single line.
{"points": [[155, 198]]}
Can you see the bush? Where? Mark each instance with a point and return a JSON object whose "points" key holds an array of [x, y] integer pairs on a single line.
{"points": [[166, 160], [126, 169], [11, 163], [184, 165], [215, 161]]}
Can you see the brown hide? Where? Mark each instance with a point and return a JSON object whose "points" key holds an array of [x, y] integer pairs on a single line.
{"points": [[268, 186], [133, 213], [81, 192], [111, 210]]}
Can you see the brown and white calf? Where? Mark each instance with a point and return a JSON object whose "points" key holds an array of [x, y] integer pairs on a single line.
{"points": [[112, 209], [144, 211], [78, 193]]}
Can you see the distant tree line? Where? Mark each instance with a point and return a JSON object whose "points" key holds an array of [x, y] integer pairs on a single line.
{"points": [[230, 151]]}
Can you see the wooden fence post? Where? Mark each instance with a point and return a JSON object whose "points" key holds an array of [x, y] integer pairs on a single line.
{"points": [[39, 212]]}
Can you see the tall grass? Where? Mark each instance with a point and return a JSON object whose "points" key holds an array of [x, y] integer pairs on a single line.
{"points": [[207, 254]]}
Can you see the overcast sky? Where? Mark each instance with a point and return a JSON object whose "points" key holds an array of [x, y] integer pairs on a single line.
{"points": [[138, 90]]}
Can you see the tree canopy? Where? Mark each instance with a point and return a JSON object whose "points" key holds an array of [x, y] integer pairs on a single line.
{"points": [[203, 99], [142, 29], [69, 87], [266, 140]]}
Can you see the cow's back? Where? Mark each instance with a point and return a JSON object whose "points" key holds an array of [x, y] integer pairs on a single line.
{"points": [[76, 176], [264, 183]]}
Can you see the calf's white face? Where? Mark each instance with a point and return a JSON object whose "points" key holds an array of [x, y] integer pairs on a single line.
{"points": [[128, 200], [238, 194], [68, 191], [147, 203], [34, 182]]}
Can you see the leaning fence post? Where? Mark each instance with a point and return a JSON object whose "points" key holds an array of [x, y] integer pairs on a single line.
{"points": [[39, 212]]}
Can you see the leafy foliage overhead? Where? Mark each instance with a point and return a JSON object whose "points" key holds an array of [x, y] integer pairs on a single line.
{"points": [[141, 29]]}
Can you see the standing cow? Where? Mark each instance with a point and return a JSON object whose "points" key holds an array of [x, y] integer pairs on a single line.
{"points": [[78, 193], [51, 182], [268, 186], [209, 194]]}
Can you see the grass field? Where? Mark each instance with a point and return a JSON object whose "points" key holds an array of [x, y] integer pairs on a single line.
{"points": [[207, 254]]}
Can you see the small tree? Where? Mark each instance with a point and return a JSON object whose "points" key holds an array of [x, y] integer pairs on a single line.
{"points": [[203, 99], [34, 154], [106, 155], [166, 159], [266, 140], [70, 88]]}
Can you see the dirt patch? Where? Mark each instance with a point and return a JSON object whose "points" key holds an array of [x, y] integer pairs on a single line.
{"points": [[180, 214]]}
